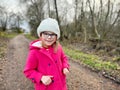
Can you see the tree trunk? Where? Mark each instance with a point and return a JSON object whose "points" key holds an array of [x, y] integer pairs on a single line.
{"points": [[93, 19], [76, 7], [49, 8], [57, 17]]}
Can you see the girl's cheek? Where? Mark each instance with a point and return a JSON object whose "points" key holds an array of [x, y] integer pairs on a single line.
{"points": [[40, 38]]}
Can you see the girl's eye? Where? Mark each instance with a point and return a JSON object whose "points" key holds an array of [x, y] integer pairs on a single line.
{"points": [[45, 33], [49, 34]]}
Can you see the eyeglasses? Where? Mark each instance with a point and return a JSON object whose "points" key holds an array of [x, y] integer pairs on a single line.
{"points": [[49, 35]]}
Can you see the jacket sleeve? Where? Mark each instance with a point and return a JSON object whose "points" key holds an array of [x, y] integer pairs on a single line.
{"points": [[30, 69], [64, 59]]}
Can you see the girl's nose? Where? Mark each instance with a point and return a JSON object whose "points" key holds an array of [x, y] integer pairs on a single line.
{"points": [[49, 36]]}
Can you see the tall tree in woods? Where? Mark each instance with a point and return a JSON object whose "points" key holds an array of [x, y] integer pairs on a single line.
{"points": [[109, 21], [83, 22], [92, 11], [9, 19], [80, 20], [15, 21], [49, 12], [107, 18], [35, 13], [3, 18], [76, 9], [57, 17]]}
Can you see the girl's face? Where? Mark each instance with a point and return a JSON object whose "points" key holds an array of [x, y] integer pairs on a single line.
{"points": [[48, 38]]}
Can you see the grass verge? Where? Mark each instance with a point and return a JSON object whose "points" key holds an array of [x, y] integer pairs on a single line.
{"points": [[7, 35], [30, 37], [92, 61]]}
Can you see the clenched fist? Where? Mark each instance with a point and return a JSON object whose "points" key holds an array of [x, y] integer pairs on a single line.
{"points": [[46, 80], [65, 71]]}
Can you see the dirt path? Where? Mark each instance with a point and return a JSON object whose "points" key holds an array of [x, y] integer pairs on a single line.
{"points": [[79, 78], [17, 52]]}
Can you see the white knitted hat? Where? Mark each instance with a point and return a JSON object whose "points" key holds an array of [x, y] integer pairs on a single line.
{"points": [[49, 24]]}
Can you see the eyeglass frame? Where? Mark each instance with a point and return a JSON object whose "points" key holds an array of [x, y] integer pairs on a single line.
{"points": [[46, 35]]}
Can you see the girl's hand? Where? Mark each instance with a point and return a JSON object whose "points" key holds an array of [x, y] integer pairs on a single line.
{"points": [[46, 80], [65, 71]]}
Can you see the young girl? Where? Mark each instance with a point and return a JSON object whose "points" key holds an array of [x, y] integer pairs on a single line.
{"points": [[47, 65]]}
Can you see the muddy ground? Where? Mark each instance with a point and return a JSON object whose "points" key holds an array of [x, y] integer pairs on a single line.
{"points": [[12, 78]]}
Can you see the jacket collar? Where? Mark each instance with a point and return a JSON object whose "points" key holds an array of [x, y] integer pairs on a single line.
{"points": [[37, 44]]}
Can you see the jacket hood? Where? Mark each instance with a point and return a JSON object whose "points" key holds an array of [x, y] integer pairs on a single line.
{"points": [[35, 45]]}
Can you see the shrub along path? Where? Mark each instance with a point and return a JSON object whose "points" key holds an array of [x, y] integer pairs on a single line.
{"points": [[80, 78]]}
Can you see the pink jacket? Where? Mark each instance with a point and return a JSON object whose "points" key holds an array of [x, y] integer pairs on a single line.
{"points": [[43, 61]]}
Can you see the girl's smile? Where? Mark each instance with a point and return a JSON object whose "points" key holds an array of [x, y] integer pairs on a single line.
{"points": [[48, 38]]}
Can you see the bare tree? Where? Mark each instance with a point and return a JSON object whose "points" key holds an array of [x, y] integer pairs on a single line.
{"points": [[108, 18], [3, 18], [15, 20], [35, 13], [57, 17], [49, 12], [114, 22], [76, 13], [95, 31], [83, 22]]}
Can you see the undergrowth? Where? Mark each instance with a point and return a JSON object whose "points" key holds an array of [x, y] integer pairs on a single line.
{"points": [[92, 61]]}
